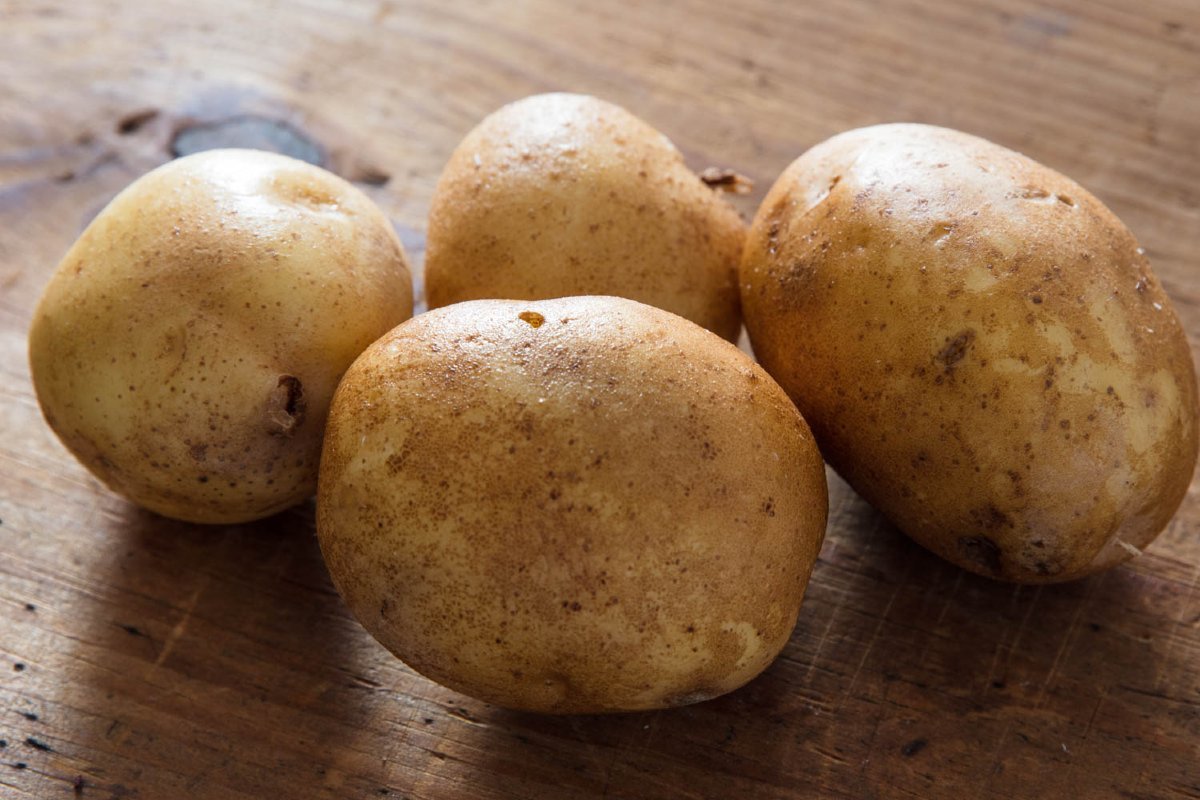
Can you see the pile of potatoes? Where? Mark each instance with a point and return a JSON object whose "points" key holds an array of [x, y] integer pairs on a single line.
{"points": [[564, 489]]}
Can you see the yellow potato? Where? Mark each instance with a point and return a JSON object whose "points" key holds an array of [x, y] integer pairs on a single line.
{"points": [[574, 505], [188, 345], [980, 346], [563, 194]]}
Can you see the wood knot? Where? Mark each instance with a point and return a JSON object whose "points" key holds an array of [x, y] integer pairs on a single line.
{"points": [[247, 131]]}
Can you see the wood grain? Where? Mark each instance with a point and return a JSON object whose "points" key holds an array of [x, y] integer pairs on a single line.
{"points": [[141, 658]]}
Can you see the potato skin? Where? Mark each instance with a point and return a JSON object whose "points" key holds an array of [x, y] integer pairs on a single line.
{"points": [[576, 505], [980, 346], [563, 194], [187, 347]]}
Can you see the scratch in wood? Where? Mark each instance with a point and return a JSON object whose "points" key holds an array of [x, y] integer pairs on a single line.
{"points": [[989, 675], [396, 744], [178, 630], [611, 768], [1067, 640], [932, 635], [1092, 719], [950, 598], [828, 754], [1158, 695], [460, 713], [1162, 666], [837, 607], [652, 727], [1003, 737], [883, 618]]}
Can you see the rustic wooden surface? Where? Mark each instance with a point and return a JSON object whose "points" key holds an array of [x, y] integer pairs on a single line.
{"points": [[141, 658]]}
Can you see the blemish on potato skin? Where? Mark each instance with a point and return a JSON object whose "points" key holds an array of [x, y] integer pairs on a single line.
{"points": [[956, 349], [982, 552], [534, 319]]}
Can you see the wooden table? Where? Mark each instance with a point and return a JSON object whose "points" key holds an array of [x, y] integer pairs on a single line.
{"points": [[142, 658]]}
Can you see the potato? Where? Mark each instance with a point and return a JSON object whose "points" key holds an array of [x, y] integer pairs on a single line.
{"points": [[563, 194], [188, 345], [575, 505], [980, 346]]}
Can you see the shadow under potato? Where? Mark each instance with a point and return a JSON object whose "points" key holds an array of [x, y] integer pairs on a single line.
{"points": [[220, 659]]}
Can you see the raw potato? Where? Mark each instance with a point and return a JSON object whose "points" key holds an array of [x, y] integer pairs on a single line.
{"points": [[575, 505], [563, 194], [188, 345], [980, 347]]}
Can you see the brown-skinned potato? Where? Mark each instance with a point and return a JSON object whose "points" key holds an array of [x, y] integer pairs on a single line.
{"points": [[564, 194], [576, 505], [980, 346], [187, 347]]}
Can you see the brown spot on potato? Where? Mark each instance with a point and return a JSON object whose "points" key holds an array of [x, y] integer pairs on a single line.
{"points": [[940, 233], [395, 462], [956, 349], [990, 517], [982, 552], [534, 319]]}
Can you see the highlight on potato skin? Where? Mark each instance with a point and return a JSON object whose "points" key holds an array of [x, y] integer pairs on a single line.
{"points": [[980, 346], [564, 194], [578, 505], [187, 347]]}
